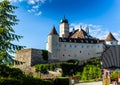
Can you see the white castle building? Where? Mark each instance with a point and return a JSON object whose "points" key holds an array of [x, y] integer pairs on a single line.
{"points": [[75, 45]]}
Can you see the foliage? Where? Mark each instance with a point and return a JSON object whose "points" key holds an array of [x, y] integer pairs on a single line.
{"points": [[114, 76], [25, 81], [30, 80], [6, 72], [91, 72], [78, 74], [7, 33], [62, 81], [10, 81], [68, 68], [41, 68], [45, 54], [14, 76]]}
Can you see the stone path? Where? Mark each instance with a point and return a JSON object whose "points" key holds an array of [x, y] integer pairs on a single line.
{"points": [[92, 83]]}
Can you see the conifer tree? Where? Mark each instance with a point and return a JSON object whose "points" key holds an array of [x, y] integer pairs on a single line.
{"points": [[7, 33]]}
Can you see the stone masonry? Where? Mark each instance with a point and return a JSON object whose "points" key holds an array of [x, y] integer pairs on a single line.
{"points": [[29, 57]]}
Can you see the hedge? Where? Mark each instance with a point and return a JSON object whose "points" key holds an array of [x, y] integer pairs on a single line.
{"points": [[25, 81], [62, 81]]}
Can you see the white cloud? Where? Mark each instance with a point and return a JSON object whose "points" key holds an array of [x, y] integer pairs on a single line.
{"points": [[36, 1], [96, 30], [39, 13], [31, 10], [36, 7], [33, 5]]}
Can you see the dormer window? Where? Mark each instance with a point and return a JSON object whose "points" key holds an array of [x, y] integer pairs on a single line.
{"points": [[74, 40]]}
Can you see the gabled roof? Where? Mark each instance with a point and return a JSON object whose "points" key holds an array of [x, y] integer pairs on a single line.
{"points": [[79, 34], [110, 37], [53, 32]]}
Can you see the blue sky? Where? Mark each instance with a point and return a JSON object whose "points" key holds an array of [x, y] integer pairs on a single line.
{"points": [[38, 16]]}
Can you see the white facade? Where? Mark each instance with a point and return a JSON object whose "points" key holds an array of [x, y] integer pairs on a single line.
{"points": [[77, 51]]}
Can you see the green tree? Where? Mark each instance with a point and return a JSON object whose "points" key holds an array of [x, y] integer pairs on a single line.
{"points": [[7, 33]]}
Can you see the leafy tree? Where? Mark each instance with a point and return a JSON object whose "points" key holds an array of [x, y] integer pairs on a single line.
{"points": [[41, 68], [7, 33], [85, 74]]}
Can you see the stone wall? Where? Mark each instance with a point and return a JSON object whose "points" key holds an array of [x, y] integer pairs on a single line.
{"points": [[29, 57]]}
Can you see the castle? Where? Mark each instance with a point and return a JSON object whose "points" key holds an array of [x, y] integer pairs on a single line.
{"points": [[75, 45]]}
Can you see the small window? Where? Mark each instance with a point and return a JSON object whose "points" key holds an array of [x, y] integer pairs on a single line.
{"points": [[65, 45], [82, 46], [111, 42], [80, 51], [59, 45], [92, 46], [70, 45], [87, 46], [74, 40], [75, 46], [63, 55]]}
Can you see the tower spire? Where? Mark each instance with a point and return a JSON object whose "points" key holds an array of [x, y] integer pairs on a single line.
{"points": [[53, 32]]}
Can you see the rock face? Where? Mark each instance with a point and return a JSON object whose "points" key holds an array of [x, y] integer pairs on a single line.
{"points": [[29, 57]]}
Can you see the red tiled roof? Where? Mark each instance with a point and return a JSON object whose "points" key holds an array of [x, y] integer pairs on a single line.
{"points": [[53, 31], [79, 34]]}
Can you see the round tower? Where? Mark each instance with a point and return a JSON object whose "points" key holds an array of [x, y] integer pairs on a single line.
{"points": [[53, 42], [111, 40], [64, 28]]}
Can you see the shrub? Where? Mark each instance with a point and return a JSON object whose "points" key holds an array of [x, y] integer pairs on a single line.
{"points": [[114, 76], [28, 80], [45, 54], [62, 81], [9, 81], [6, 71]]}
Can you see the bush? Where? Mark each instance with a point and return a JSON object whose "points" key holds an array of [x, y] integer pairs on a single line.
{"points": [[6, 71], [62, 81], [114, 76], [9, 81], [45, 54], [28, 80]]}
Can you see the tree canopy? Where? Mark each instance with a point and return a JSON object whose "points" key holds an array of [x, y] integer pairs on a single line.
{"points": [[7, 34]]}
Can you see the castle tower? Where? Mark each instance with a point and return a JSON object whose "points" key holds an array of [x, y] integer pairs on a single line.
{"points": [[52, 44], [64, 28], [110, 39]]}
